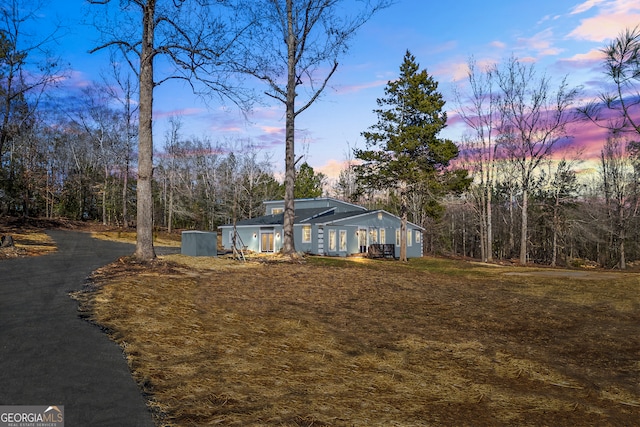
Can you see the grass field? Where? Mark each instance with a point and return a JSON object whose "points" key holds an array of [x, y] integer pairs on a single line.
{"points": [[374, 343]]}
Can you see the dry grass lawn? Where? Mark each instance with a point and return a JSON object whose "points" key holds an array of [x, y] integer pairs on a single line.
{"points": [[28, 241], [333, 342], [129, 236]]}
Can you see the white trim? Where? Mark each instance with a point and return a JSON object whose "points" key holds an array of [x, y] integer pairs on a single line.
{"points": [[320, 240]]}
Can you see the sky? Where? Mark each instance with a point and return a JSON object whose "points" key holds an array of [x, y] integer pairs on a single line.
{"points": [[561, 37]]}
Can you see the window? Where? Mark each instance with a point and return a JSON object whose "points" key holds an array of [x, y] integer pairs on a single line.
{"points": [[343, 240], [409, 233], [383, 235], [373, 236], [418, 236], [397, 237], [275, 211], [306, 234], [332, 240], [266, 241]]}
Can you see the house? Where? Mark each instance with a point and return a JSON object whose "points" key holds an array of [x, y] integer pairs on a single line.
{"points": [[323, 226]]}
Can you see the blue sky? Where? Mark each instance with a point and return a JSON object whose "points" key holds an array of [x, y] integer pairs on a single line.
{"points": [[562, 37]]}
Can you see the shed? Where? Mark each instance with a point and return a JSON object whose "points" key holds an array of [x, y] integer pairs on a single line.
{"points": [[199, 243]]}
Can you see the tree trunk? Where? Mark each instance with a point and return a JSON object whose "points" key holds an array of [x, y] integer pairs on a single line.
{"points": [[6, 241], [127, 161], [489, 253], [554, 248], [483, 226], [288, 246], [523, 228], [170, 208], [125, 183], [104, 195], [464, 234], [403, 225], [144, 240], [512, 239], [622, 236]]}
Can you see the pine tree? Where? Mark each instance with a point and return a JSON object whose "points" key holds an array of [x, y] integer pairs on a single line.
{"points": [[403, 151], [308, 184]]}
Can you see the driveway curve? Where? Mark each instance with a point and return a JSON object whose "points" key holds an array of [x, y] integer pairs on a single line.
{"points": [[48, 355]]}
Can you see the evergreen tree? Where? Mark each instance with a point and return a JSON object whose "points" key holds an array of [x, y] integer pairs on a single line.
{"points": [[308, 183], [403, 151]]}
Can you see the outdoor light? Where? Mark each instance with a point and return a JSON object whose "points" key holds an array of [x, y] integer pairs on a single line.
{"points": [[277, 235], [255, 235]]}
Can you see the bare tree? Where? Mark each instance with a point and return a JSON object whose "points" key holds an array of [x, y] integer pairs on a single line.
{"points": [[620, 189], [28, 68], [173, 150], [123, 92], [196, 41], [479, 110], [533, 119], [103, 126], [293, 40]]}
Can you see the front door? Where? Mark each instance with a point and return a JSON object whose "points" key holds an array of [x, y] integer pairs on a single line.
{"points": [[266, 241]]}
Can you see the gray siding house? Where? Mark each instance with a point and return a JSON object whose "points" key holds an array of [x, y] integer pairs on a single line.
{"points": [[323, 226]]}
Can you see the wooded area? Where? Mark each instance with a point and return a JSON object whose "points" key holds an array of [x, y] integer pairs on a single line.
{"points": [[77, 158]]}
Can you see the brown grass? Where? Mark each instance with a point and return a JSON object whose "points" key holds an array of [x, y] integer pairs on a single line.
{"points": [[373, 343], [159, 238], [27, 242]]}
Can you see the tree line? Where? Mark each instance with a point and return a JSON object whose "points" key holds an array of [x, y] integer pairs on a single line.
{"points": [[527, 198], [501, 192], [210, 46]]}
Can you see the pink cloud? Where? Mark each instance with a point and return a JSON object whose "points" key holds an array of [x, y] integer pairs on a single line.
{"points": [[333, 168], [345, 89], [604, 27], [591, 56], [454, 71], [181, 112], [75, 79], [273, 131], [612, 18], [587, 5], [542, 43], [267, 113]]}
